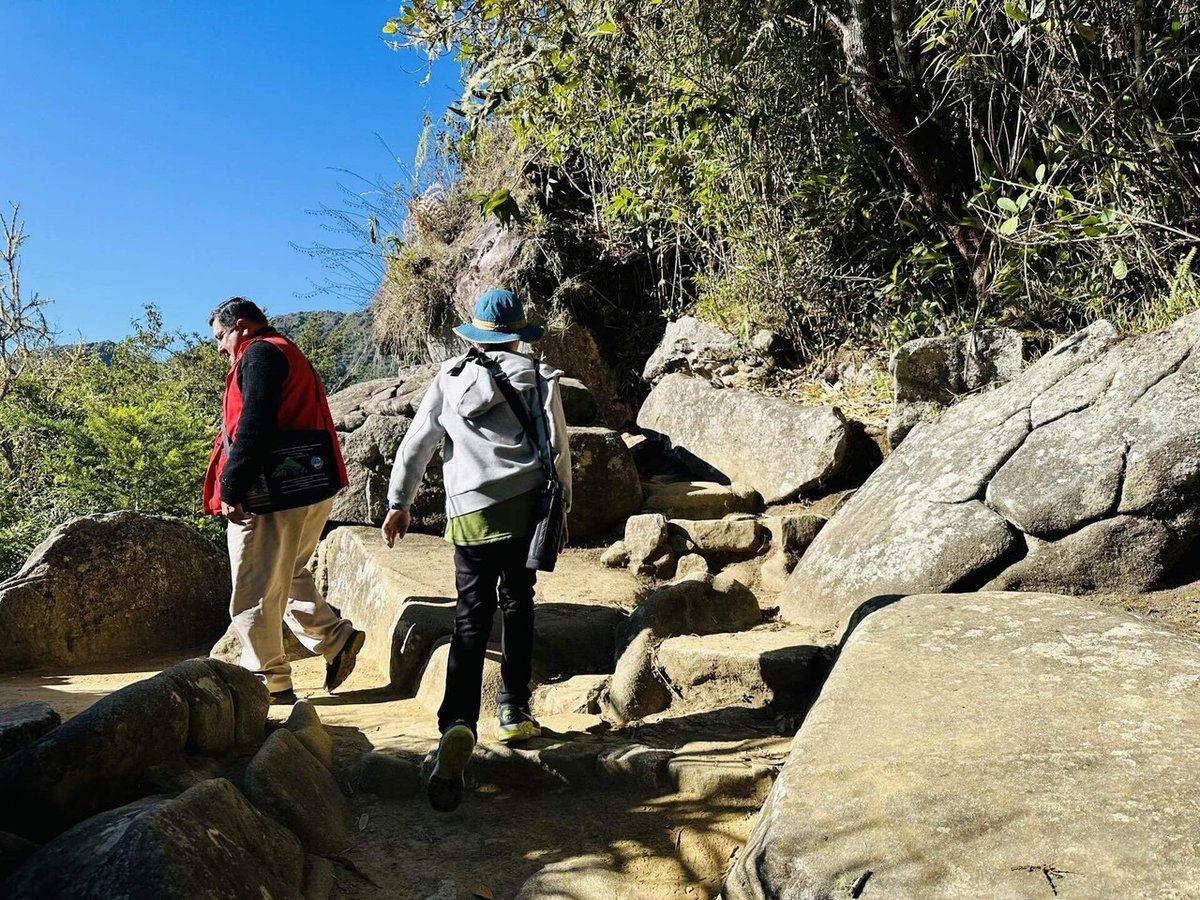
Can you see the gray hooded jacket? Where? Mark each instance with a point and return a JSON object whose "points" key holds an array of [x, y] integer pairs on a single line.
{"points": [[487, 457]]}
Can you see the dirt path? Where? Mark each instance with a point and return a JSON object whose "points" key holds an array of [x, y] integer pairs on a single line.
{"points": [[662, 843]]}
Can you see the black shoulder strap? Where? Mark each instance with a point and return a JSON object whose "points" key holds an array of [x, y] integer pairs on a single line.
{"points": [[514, 401]]}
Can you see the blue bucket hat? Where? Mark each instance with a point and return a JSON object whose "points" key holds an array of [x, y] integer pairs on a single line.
{"points": [[499, 318]]}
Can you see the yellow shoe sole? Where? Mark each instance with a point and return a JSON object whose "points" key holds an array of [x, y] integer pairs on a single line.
{"points": [[523, 731]]}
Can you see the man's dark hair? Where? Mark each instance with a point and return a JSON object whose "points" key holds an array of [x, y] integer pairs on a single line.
{"points": [[227, 314]]}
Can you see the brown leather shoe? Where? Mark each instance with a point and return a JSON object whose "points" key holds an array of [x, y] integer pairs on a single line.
{"points": [[338, 669]]}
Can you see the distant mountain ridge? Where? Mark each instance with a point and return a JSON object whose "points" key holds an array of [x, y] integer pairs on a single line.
{"points": [[340, 345]]}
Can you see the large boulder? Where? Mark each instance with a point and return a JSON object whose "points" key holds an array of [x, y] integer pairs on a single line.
{"points": [[286, 782], [99, 758], [1082, 474], [208, 842], [990, 744], [779, 448], [371, 419], [114, 587], [373, 423], [689, 344], [928, 374], [605, 485]]}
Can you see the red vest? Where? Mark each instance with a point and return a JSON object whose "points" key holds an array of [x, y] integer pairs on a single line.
{"points": [[302, 407]]}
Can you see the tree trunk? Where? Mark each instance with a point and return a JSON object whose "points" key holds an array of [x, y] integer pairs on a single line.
{"points": [[928, 158]]}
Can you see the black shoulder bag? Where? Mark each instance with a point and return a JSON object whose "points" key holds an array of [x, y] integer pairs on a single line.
{"points": [[299, 468], [548, 526]]}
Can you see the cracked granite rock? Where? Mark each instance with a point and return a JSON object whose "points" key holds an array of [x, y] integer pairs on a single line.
{"points": [[980, 745], [1082, 474]]}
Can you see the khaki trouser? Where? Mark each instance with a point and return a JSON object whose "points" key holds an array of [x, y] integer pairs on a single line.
{"points": [[272, 585]]}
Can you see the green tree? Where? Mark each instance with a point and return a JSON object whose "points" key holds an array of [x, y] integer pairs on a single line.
{"points": [[129, 429]]}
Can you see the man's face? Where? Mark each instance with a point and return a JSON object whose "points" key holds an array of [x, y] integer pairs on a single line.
{"points": [[227, 336]]}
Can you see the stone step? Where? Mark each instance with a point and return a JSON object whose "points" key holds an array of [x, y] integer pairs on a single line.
{"points": [[742, 767], [403, 599], [699, 499], [780, 669]]}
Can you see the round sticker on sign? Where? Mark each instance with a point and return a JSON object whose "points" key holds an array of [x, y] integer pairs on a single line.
{"points": [[316, 462]]}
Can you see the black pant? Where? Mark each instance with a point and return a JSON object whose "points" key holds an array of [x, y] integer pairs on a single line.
{"points": [[478, 572]]}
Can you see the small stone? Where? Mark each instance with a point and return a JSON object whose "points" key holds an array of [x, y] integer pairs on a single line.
{"points": [[616, 556], [318, 741], [579, 695], [662, 566], [306, 725], [645, 537], [634, 764], [691, 564], [765, 341], [303, 715]]}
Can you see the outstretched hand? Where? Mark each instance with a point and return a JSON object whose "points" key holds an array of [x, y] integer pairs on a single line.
{"points": [[395, 526]]}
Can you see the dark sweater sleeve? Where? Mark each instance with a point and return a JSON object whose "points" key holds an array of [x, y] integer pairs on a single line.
{"points": [[260, 375]]}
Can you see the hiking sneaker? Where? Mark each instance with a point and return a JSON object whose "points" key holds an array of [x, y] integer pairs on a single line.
{"points": [[286, 697], [516, 724], [445, 785], [338, 669]]}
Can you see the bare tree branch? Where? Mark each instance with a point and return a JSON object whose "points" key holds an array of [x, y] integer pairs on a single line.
{"points": [[23, 326]]}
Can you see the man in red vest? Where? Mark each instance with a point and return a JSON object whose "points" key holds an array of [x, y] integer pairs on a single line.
{"points": [[272, 389]]}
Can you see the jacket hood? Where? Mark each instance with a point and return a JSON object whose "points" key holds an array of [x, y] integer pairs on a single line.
{"points": [[473, 392]]}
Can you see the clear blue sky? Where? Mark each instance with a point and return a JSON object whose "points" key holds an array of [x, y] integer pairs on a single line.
{"points": [[166, 152]]}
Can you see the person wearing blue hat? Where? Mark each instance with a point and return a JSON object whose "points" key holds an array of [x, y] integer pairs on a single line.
{"points": [[493, 475]]}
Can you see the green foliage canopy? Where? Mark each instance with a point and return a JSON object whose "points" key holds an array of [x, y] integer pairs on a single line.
{"points": [[853, 168]]}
